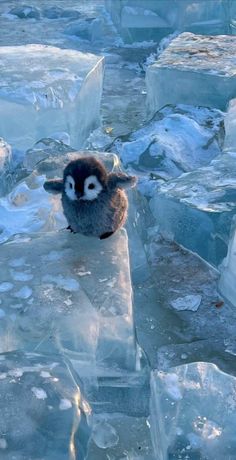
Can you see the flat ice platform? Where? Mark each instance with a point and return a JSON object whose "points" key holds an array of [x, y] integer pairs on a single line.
{"points": [[193, 69], [44, 89]]}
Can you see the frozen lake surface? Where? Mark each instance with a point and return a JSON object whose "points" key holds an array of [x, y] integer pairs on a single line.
{"points": [[122, 349]]}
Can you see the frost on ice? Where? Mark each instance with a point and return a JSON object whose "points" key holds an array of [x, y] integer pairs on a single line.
{"points": [[52, 90], [193, 69]]}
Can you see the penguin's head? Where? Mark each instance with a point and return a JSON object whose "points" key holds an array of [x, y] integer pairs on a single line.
{"points": [[84, 179]]}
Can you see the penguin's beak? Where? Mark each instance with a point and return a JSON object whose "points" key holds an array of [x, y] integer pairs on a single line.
{"points": [[78, 195]]}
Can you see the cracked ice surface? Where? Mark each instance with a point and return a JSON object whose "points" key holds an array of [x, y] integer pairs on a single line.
{"points": [[38, 392], [193, 412], [193, 69], [51, 89], [228, 269]]}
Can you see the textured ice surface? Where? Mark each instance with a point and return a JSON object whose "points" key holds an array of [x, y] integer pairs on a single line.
{"points": [[138, 20], [178, 139], [73, 293], [193, 413], [5, 165], [196, 209], [193, 69], [43, 414], [228, 269], [51, 90]]}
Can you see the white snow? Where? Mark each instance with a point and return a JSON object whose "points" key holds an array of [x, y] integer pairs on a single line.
{"points": [[39, 393], [188, 302]]}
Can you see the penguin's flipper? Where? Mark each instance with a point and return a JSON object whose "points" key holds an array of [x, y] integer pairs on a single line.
{"points": [[71, 229], [120, 180], [106, 235], [53, 186]]}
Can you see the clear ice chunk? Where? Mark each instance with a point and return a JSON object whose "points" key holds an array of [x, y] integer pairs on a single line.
{"points": [[193, 69], [5, 165], [197, 208], [41, 406], [227, 283], [193, 413], [177, 139], [52, 90]]}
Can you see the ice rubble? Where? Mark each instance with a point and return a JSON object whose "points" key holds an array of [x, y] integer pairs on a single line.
{"points": [[51, 89], [193, 69], [193, 412], [42, 410], [137, 20], [230, 127]]}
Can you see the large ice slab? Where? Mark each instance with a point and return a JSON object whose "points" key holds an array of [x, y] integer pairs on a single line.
{"points": [[43, 414], [52, 90], [193, 69], [69, 292], [227, 283], [177, 139], [137, 20], [197, 208], [193, 413]]}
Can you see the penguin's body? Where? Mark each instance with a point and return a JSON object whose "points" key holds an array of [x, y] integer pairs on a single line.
{"points": [[94, 201]]}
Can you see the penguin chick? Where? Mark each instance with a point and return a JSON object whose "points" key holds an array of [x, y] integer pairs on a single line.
{"points": [[94, 201]]}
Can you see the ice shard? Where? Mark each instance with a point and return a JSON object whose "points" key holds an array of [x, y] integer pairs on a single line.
{"points": [[43, 414], [230, 127], [44, 89], [193, 69], [193, 412]]}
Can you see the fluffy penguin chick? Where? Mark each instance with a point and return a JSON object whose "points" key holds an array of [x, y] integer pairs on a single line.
{"points": [[93, 200]]}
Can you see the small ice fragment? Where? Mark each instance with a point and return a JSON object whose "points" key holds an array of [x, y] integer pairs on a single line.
{"points": [[188, 302], [2, 313], [39, 393], [45, 374], [184, 356], [3, 443], [65, 404], [24, 293], [21, 276], [17, 262], [104, 435], [68, 284], [5, 286], [16, 373], [3, 375], [172, 386]]}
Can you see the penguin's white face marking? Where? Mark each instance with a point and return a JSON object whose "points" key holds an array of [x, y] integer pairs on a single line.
{"points": [[92, 188], [70, 188]]}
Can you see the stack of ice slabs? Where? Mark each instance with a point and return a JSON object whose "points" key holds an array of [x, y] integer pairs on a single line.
{"points": [[193, 69], [44, 89]]}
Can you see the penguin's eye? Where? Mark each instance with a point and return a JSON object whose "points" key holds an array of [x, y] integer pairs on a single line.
{"points": [[91, 186], [70, 185]]}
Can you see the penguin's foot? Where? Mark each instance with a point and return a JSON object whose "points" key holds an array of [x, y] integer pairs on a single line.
{"points": [[71, 229], [106, 235]]}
